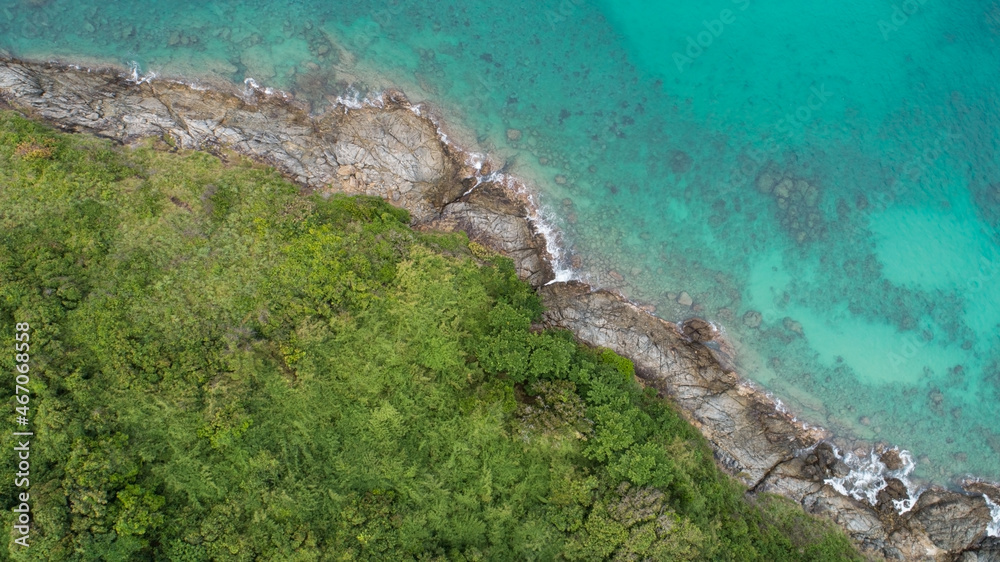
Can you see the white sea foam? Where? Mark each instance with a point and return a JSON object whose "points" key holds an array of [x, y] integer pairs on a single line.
{"points": [[553, 244], [251, 86], [351, 99], [869, 476], [377, 100], [993, 529], [541, 221], [779, 406], [135, 77], [475, 161]]}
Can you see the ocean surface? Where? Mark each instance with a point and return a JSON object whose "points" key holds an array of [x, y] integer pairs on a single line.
{"points": [[820, 179]]}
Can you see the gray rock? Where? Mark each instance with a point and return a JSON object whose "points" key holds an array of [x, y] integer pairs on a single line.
{"points": [[987, 551], [952, 521], [698, 330], [493, 218]]}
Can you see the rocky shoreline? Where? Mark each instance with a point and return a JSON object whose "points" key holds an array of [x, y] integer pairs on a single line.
{"points": [[388, 149]]}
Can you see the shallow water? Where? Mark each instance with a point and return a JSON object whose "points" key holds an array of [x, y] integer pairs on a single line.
{"points": [[660, 135]]}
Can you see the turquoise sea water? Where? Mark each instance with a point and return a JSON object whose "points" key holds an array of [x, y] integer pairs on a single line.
{"points": [[821, 179]]}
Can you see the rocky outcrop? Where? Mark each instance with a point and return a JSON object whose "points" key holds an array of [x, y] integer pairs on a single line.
{"points": [[750, 435], [493, 216], [756, 442], [393, 152], [387, 151]]}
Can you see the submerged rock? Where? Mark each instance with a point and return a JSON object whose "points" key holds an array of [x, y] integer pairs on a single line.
{"points": [[680, 161], [792, 325], [766, 181], [797, 201], [753, 319], [684, 299]]}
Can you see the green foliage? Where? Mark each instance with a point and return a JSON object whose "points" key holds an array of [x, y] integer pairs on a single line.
{"points": [[140, 511], [622, 364], [480, 251], [223, 369]]}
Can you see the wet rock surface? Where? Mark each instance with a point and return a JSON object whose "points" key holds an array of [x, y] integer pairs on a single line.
{"points": [[951, 521], [698, 330], [394, 153]]}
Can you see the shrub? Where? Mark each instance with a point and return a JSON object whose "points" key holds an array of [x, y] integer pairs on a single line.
{"points": [[35, 148]]}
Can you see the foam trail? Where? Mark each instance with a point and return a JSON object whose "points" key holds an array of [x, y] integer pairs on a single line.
{"points": [[993, 529], [552, 245], [869, 476], [351, 99], [252, 87]]}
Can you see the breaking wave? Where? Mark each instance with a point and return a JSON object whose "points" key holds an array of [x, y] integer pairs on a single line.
{"points": [[869, 476], [136, 76], [993, 529]]}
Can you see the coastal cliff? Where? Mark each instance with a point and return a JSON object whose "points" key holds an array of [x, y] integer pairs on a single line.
{"points": [[389, 150]]}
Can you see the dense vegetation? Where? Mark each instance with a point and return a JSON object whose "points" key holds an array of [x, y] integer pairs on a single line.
{"points": [[225, 369]]}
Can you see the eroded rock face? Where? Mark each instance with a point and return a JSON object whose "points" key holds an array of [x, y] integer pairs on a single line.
{"points": [[493, 218], [698, 330], [393, 153], [952, 521], [988, 551]]}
